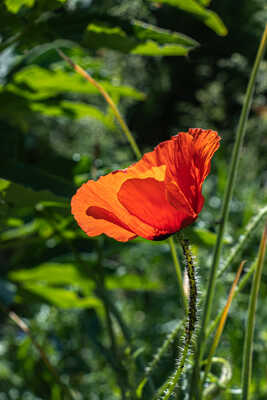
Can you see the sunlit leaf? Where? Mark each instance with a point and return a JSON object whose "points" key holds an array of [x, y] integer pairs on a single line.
{"points": [[44, 83], [132, 282], [15, 5], [63, 298], [137, 38], [21, 231], [51, 274], [209, 18], [151, 48]]}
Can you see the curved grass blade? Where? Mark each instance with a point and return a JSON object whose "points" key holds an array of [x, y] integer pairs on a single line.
{"points": [[222, 322], [195, 379], [248, 346], [252, 225]]}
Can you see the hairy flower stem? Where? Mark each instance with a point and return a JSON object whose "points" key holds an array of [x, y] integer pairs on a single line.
{"points": [[168, 388], [195, 391]]}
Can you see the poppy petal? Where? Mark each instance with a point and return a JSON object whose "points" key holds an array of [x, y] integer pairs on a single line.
{"points": [[147, 200], [97, 209], [190, 163], [153, 198]]}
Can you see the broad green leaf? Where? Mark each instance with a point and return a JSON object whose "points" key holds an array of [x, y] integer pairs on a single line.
{"points": [[21, 231], [144, 32], [18, 196], [209, 18], [15, 5], [151, 48], [82, 110], [137, 38], [132, 282], [44, 83], [63, 298], [35, 178], [204, 3], [51, 273], [4, 184], [73, 110]]}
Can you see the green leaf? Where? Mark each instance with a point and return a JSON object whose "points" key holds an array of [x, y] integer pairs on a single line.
{"points": [[144, 32], [34, 178], [137, 38], [52, 273], [43, 83], [18, 196], [15, 5], [209, 18], [74, 110], [63, 298], [21, 231], [44, 280], [151, 48], [132, 282]]}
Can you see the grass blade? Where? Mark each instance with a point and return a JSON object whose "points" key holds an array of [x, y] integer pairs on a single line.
{"points": [[195, 381], [248, 346], [222, 321]]}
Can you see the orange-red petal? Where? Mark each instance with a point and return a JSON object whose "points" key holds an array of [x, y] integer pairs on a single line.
{"points": [[147, 200], [155, 197]]}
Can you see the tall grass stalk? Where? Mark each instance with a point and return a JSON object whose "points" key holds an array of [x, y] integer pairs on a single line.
{"points": [[250, 228], [248, 347], [195, 391]]}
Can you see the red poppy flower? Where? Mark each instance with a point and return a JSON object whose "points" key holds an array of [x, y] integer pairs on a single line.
{"points": [[153, 198]]}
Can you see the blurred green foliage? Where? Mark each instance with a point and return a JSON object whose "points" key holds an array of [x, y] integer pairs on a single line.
{"points": [[57, 132]]}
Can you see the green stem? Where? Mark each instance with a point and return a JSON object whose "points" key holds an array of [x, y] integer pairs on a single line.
{"points": [[195, 382], [243, 240], [248, 347], [157, 358], [167, 389], [240, 287], [178, 273]]}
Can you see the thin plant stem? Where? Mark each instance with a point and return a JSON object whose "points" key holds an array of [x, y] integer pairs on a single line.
{"points": [[248, 346], [167, 389], [157, 357], [214, 389], [178, 273], [195, 381], [25, 328], [252, 225], [108, 99], [240, 287]]}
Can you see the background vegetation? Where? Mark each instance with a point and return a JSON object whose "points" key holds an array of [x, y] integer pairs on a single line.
{"points": [[168, 65]]}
